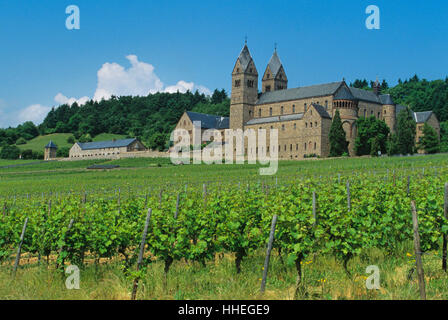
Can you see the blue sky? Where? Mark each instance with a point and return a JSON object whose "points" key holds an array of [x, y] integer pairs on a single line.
{"points": [[140, 46]]}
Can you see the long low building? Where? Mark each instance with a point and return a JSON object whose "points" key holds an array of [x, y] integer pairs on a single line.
{"points": [[105, 149]]}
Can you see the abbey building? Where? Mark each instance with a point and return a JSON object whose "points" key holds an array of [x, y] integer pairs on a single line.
{"points": [[303, 115]]}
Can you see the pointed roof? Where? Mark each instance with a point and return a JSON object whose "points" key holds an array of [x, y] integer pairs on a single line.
{"points": [[422, 117], [245, 58], [344, 93], [51, 145], [275, 64]]}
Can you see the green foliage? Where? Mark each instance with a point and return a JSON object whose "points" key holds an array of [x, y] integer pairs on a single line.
{"points": [[423, 95], [403, 141], [10, 152], [444, 136], [85, 138], [338, 142], [20, 141], [63, 152], [372, 136], [71, 140], [429, 142]]}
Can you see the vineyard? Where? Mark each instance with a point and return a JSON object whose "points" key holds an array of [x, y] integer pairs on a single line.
{"points": [[207, 230]]}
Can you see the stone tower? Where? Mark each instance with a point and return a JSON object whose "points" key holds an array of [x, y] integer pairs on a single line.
{"points": [[50, 151], [389, 113], [244, 90], [346, 103], [274, 77]]}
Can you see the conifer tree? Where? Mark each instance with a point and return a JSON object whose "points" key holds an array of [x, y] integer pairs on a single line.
{"points": [[338, 143], [405, 132], [429, 142]]}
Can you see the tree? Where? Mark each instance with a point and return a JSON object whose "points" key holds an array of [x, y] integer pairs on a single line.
{"points": [[63, 152], [429, 142], [71, 140], [10, 152], [372, 136], [392, 145], [338, 143], [21, 141], [360, 84], [27, 154], [405, 135]]}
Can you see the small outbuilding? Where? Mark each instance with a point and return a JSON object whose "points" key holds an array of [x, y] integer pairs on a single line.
{"points": [[50, 151]]}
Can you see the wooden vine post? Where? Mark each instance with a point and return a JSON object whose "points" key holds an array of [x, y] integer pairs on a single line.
{"points": [[314, 209], [349, 200], [19, 249], [140, 255], [268, 254], [445, 236], [409, 184], [418, 253], [176, 214]]}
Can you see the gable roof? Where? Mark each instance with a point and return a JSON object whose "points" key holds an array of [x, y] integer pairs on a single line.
{"points": [[321, 110], [299, 93], [245, 58], [274, 64], [422, 117], [209, 121], [51, 145], [106, 144]]}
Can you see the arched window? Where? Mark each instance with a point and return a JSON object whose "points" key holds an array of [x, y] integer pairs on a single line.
{"points": [[281, 110], [270, 112], [259, 112]]}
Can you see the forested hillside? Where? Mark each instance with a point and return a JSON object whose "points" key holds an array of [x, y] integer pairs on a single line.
{"points": [[150, 118]]}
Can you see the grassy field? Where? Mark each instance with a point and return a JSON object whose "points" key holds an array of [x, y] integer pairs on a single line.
{"points": [[323, 276]]}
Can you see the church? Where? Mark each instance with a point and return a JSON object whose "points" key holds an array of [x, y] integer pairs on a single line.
{"points": [[302, 115]]}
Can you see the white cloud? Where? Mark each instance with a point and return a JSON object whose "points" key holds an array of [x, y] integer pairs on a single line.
{"points": [[35, 113], [61, 99], [139, 80], [113, 79]]}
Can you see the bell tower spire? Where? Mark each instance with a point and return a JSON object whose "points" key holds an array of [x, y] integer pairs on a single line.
{"points": [[274, 77], [244, 89]]}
